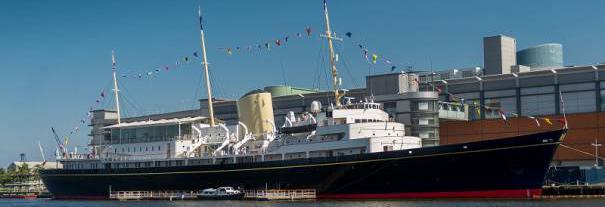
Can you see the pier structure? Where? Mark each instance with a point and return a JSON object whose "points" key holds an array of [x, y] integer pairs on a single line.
{"points": [[260, 195]]}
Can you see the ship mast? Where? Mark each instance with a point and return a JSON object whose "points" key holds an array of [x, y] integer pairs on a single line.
{"points": [[335, 79], [115, 85], [205, 63]]}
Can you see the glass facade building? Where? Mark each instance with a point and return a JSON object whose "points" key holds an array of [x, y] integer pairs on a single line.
{"points": [[541, 57], [536, 93]]}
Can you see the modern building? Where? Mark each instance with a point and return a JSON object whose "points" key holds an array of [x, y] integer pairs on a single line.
{"points": [[536, 94], [499, 54], [452, 74], [542, 57]]}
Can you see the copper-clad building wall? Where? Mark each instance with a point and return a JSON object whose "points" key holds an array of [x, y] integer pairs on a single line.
{"points": [[584, 128]]}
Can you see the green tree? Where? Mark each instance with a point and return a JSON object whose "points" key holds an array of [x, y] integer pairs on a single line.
{"points": [[3, 177], [23, 172], [11, 174], [36, 170]]}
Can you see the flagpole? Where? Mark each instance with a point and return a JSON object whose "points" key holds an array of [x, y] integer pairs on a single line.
{"points": [[205, 63], [115, 85], [563, 109], [335, 80]]}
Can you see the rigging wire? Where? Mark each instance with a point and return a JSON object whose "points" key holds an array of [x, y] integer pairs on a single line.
{"points": [[196, 94], [216, 87], [346, 67]]}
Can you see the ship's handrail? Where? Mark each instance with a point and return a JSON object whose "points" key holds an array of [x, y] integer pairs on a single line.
{"points": [[281, 194], [150, 139]]}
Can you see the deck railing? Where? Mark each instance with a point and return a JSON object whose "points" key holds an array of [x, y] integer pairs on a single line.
{"points": [[152, 195], [274, 194]]}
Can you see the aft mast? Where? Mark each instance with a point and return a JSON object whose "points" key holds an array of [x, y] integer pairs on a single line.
{"points": [[115, 85], [336, 82], [205, 63]]}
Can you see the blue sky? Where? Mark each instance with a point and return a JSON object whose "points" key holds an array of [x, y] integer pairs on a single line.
{"points": [[56, 55]]}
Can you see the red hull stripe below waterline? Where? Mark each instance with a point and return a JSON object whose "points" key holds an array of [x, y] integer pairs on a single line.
{"points": [[522, 193]]}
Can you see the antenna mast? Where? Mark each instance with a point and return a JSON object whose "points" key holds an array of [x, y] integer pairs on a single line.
{"points": [[205, 63], [115, 85], [335, 79]]}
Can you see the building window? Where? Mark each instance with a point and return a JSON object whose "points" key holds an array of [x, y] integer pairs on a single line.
{"points": [[423, 122], [578, 102], [538, 104], [602, 100], [390, 108], [507, 105], [423, 105]]}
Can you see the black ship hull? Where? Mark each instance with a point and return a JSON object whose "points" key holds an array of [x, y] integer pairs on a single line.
{"points": [[505, 168]]}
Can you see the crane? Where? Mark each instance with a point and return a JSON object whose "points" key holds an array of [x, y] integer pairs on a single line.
{"points": [[59, 143]]}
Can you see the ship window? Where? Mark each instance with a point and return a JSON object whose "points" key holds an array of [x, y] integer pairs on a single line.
{"points": [[385, 148], [146, 148], [116, 150], [122, 149], [152, 148], [159, 149], [172, 131]]}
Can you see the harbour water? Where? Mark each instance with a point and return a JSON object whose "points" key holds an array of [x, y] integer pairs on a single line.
{"points": [[378, 203]]}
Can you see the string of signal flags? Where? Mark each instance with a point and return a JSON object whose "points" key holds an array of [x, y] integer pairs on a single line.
{"points": [[368, 55], [195, 56]]}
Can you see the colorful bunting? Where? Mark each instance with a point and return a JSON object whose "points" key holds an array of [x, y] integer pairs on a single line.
{"points": [[374, 58], [502, 114], [536, 120], [547, 120], [477, 107], [439, 88], [308, 30], [563, 121]]}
